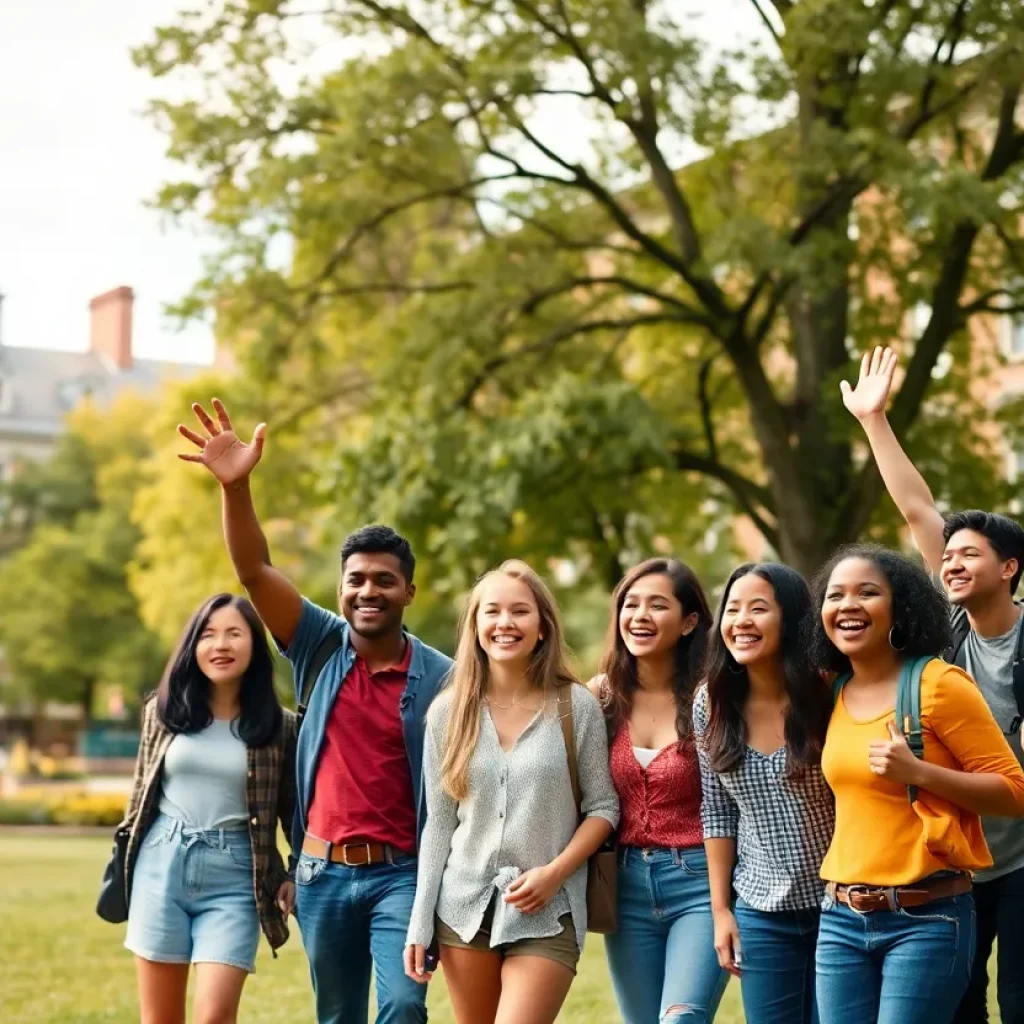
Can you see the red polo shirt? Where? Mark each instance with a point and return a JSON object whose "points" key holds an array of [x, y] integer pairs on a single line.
{"points": [[363, 789]]}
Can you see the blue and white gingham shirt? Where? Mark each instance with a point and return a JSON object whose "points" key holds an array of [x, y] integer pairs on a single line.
{"points": [[782, 826]]}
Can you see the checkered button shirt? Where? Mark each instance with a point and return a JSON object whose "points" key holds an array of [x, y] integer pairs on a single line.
{"points": [[782, 826]]}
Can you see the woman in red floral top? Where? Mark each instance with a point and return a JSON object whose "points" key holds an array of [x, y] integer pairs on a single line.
{"points": [[662, 958]]}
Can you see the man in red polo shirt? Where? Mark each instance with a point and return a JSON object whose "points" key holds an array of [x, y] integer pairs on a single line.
{"points": [[359, 759]]}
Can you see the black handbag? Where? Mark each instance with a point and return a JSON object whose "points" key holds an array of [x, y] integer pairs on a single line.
{"points": [[112, 904]]}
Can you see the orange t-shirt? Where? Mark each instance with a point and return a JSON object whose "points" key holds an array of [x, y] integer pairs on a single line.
{"points": [[880, 837]]}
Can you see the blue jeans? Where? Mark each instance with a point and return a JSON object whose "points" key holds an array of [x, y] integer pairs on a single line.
{"points": [[777, 964], [354, 920], [907, 967], [662, 958]]}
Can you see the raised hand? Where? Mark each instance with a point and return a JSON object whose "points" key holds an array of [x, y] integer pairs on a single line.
{"points": [[872, 391], [220, 451]]}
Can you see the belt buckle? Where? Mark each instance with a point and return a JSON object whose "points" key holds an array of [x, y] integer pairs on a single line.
{"points": [[858, 889], [344, 855]]}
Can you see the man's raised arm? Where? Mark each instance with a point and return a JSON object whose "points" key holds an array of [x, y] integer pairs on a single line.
{"points": [[231, 461], [905, 485]]}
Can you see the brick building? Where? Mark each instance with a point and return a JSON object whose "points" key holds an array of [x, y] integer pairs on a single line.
{"points": [[39, 387]]}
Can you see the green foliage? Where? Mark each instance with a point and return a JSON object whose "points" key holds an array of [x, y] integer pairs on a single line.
{"points": [[69, 623], [560, 281]]}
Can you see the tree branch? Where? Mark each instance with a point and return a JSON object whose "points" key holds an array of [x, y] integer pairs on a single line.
{"points": [[738, 485], [704, 402], [763, 14], [554, 338], [627, 284]]}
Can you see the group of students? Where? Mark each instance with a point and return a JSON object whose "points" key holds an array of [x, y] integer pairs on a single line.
{"points": [[772, 819]]}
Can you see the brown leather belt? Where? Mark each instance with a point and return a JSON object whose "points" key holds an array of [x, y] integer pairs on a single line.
{"points": [[866, 899], [352, 855]]}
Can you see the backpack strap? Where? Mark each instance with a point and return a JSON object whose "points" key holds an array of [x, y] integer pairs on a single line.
{"points": [[961, 627], [563, 698], [908, 710], [1018, 676], [321, 655], [837, 685]]}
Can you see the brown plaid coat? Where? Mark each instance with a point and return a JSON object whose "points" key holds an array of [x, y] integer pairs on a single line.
{"points": [[271, 795]]}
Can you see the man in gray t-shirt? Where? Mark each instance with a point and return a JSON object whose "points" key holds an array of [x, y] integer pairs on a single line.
{"points": [[979, 557], [989, 659]]}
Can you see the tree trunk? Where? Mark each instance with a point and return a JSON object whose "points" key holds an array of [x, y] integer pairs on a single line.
{"points": [[87, 698]]}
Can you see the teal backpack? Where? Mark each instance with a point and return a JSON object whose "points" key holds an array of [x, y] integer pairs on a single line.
{"points": [[908, 707]]}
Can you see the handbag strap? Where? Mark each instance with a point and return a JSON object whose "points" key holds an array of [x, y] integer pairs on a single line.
{"points": [[564, 697]]}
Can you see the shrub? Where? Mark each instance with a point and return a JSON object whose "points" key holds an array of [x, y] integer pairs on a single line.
{"points": [[64, 809]]}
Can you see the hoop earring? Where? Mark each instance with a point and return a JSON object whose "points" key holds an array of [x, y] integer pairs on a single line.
{"points": [[736, 670], [892, 643]]}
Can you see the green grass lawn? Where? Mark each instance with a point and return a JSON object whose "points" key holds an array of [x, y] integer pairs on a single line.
{"points": [[60, 964]]}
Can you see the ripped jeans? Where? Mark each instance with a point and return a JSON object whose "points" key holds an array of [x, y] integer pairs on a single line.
{"points": [[662, 957], [907, 967]]}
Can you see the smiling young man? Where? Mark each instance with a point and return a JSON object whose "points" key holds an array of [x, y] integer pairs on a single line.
{"points": [[979, 557], [360, 804]]}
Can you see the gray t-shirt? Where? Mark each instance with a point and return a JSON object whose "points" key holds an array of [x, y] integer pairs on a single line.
{"points": [[990, 661], [204, 778]]}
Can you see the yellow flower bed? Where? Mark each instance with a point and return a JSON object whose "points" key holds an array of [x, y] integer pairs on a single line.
{"points": [[36, 808]]}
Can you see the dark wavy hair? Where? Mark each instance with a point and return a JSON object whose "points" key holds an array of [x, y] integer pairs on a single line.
{"points": [[920, 613], [619, 665], [183, 696], [810, 699]]}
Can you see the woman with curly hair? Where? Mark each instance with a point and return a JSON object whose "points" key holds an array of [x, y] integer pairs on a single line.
{"points": [[662, 958], [897, 929], [767, 812]]}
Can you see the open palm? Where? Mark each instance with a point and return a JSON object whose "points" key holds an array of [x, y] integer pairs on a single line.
{"points": [[220, 450], [872, 390]]}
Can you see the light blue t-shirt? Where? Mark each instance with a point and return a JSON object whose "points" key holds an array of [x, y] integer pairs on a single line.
{"points": [[204, 778]]}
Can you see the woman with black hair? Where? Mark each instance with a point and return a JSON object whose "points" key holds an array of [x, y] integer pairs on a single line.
{"points": [[897, 929], [768, 815], [662, 960], [215, 773]]}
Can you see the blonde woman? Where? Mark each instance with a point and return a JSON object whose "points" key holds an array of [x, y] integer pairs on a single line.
{"points": [[502, 869]]}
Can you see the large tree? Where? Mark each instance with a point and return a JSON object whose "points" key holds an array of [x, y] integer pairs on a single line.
{"points": [[573, 278], [69, 624]]}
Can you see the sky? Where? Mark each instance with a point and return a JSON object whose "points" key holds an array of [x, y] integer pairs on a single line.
{"points": [[78, 161]]}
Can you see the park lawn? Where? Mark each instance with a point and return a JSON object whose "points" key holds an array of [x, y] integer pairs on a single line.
{"points": [[60, 964]]}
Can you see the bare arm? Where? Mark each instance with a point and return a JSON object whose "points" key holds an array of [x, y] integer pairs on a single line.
{"points": [[232, 461], [905, 485], [276, 598]]}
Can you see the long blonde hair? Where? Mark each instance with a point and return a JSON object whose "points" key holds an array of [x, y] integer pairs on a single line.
{"points": [[548, 669]]}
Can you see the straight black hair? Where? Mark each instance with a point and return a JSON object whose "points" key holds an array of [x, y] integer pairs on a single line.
{"points": [[183, 696], [810, 700]]}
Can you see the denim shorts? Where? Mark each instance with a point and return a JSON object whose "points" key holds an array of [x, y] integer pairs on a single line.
{"points": [[192, 897]]}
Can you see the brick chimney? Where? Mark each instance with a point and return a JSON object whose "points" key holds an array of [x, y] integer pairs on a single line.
{"points": [[110, 329]]}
